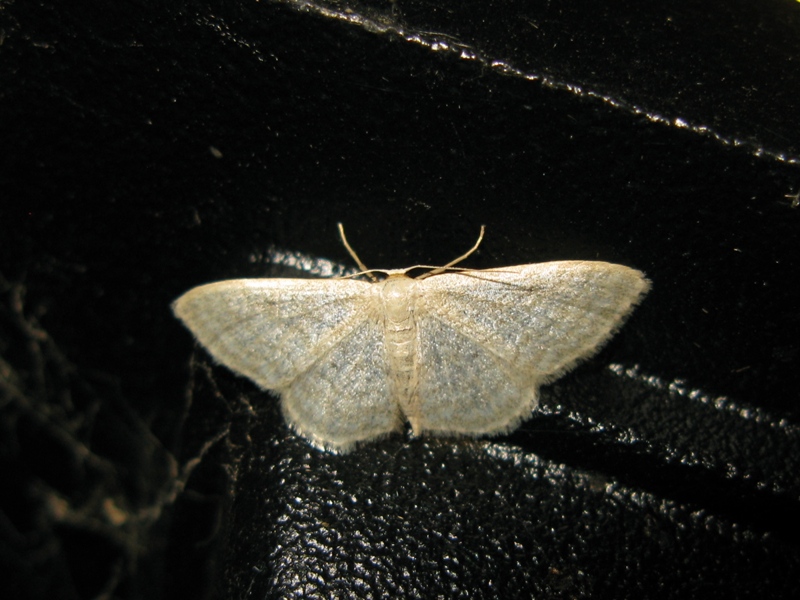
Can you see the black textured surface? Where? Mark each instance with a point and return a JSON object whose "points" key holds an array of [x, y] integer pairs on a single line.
{"points": [[149, 148]]}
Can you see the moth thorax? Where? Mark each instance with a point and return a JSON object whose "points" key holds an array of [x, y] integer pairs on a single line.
{"points": [[397, 296]]}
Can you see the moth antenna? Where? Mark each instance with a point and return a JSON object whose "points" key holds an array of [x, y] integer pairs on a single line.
{"points": [[352, 252], [458, 260]]}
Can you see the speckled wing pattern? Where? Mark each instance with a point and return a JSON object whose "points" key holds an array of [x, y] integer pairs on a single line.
{"points": [[489, 339], [318, 343]]}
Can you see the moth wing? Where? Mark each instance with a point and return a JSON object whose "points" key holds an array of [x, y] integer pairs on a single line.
{"points": [[345, 397], [489, 339], [316, 342]]}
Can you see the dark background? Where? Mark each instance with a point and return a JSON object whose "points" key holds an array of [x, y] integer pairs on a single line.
{"points": [[149, 147]]}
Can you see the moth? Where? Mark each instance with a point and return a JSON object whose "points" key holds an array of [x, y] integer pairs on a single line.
{"points": [[453, 351]]}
